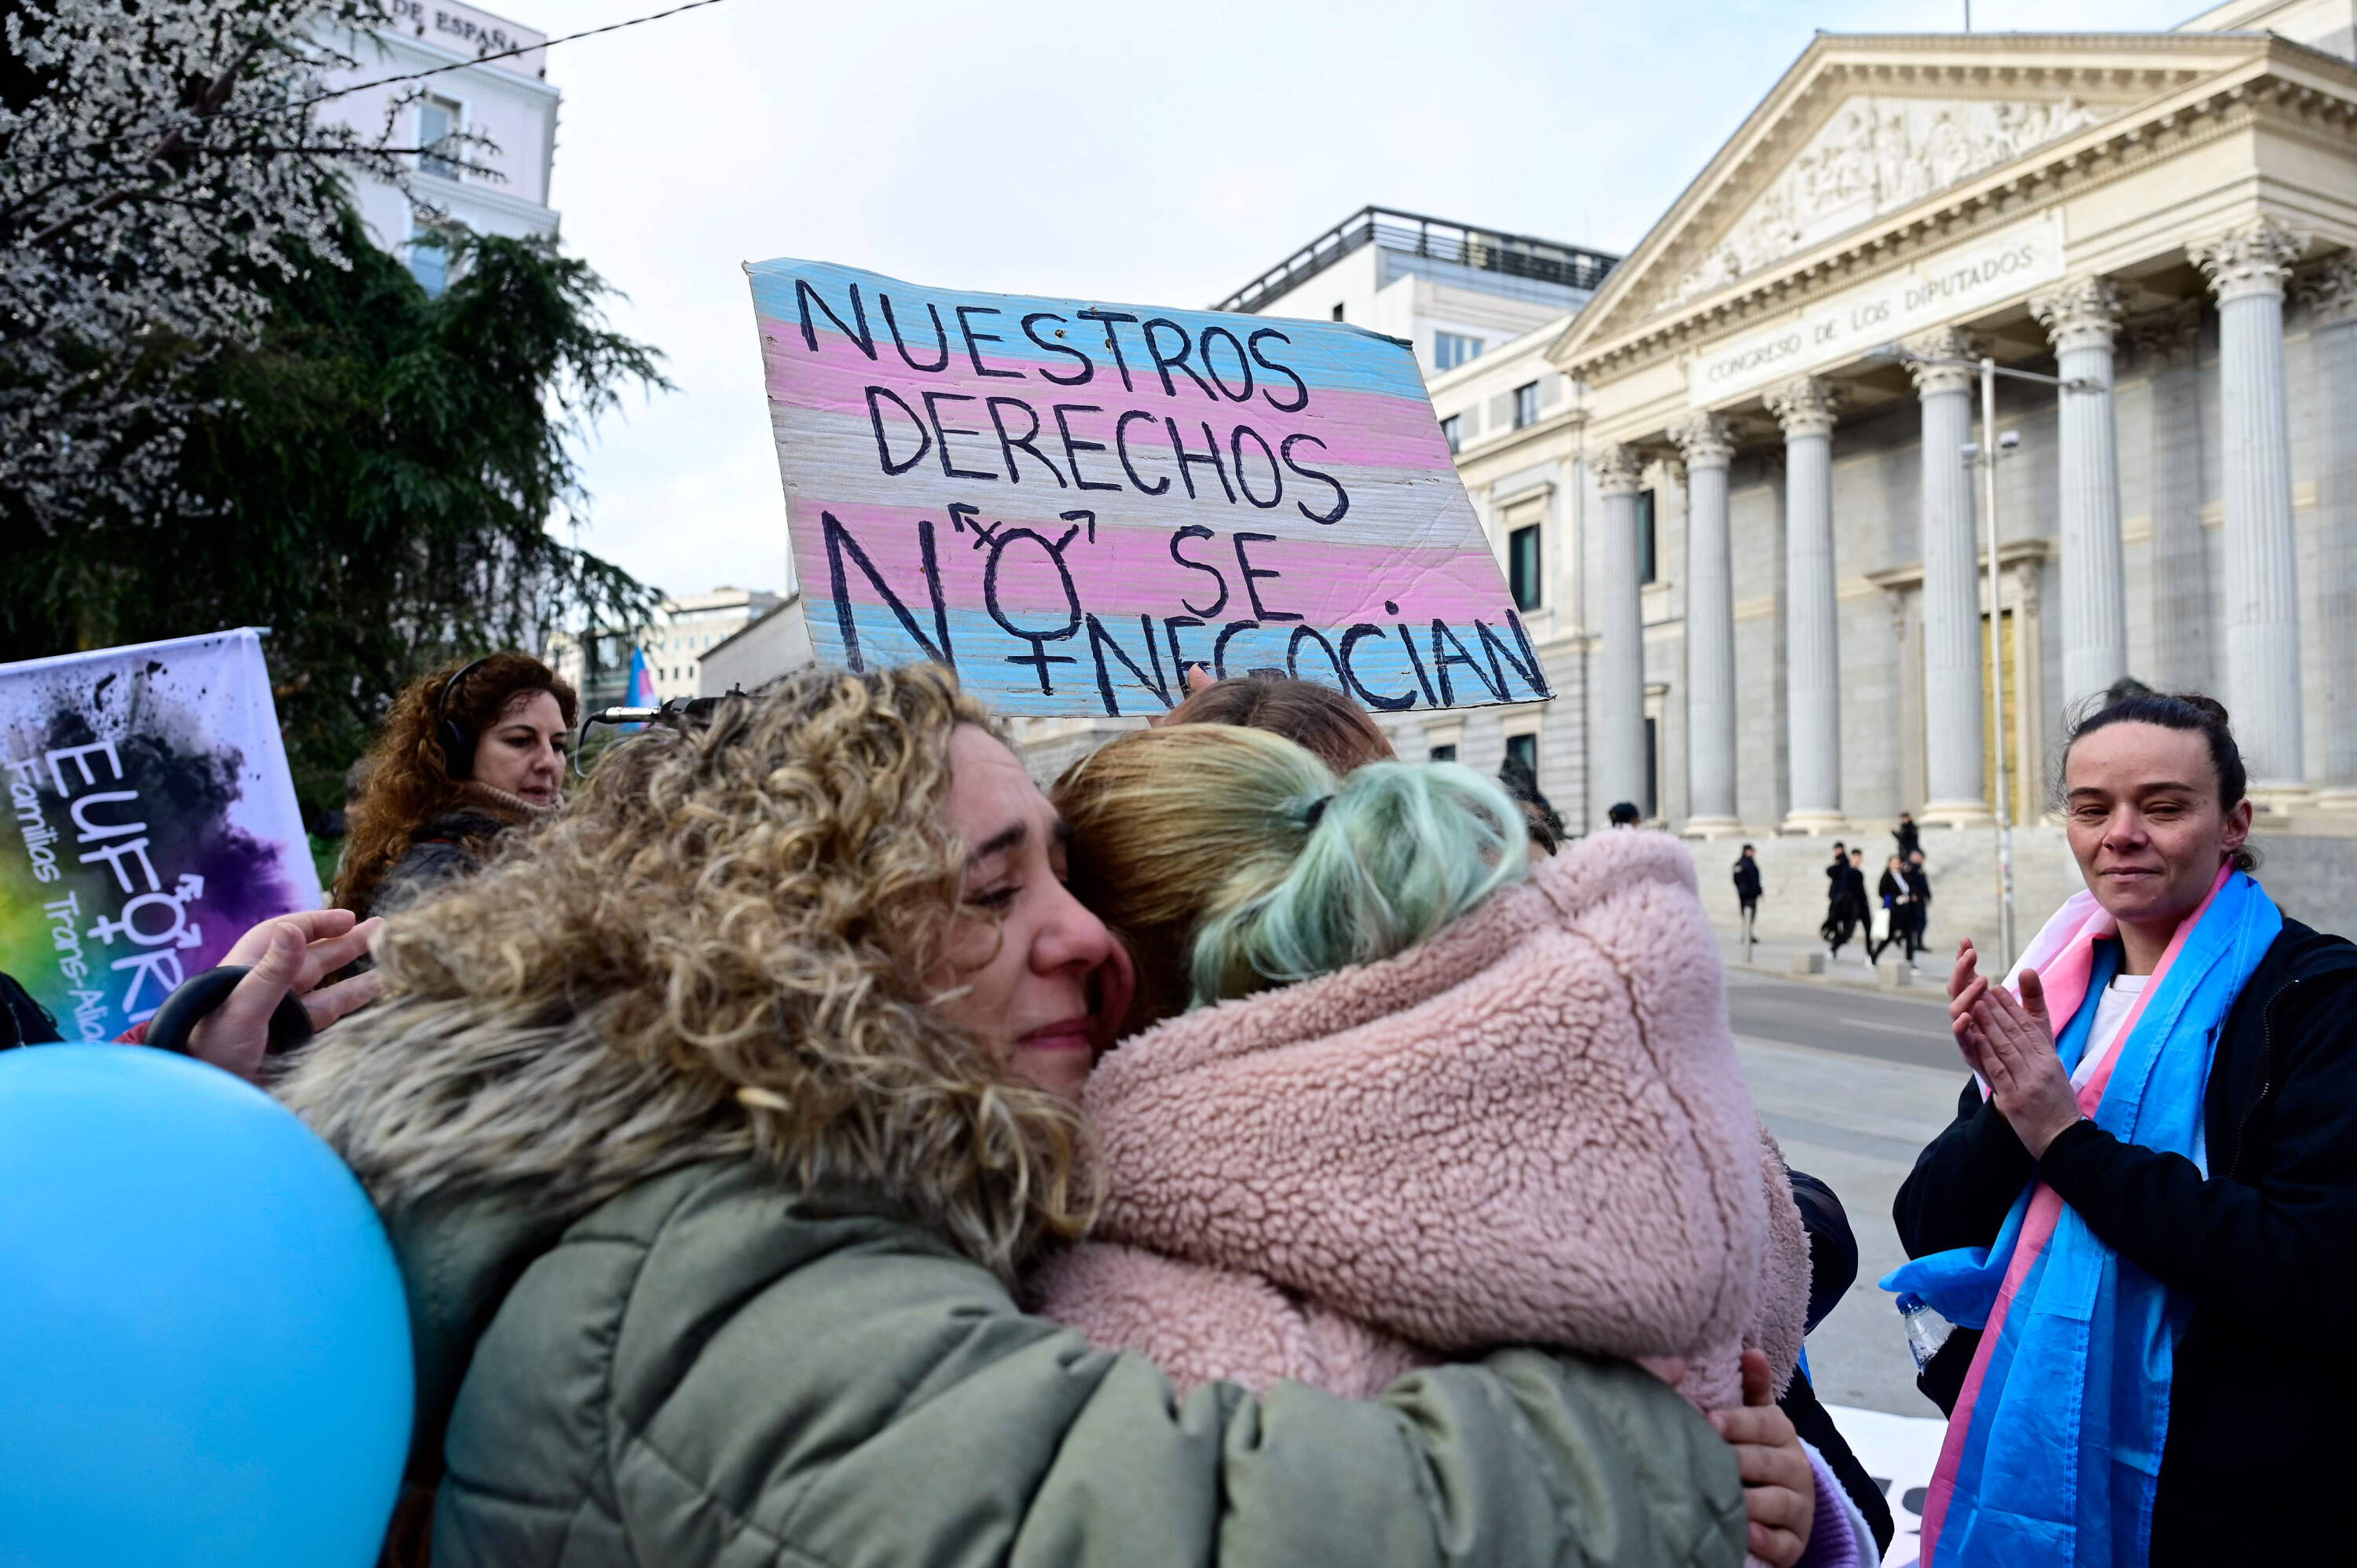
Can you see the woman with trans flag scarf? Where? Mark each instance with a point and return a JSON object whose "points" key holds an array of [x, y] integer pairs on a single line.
{"points": [[2144, 1218]]}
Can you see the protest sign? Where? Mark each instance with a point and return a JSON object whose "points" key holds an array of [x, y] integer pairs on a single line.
{"points": [[1068, 501], [153, 821]]}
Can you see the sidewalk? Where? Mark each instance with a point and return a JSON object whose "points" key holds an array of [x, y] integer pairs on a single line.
{"points": [[1774, 957]]}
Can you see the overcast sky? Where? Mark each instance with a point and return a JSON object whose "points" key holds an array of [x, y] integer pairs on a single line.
{"points": [[1160, 154]]}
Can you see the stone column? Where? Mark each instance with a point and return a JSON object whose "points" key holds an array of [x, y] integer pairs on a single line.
{"points": [[1954, 718], [2172, 345], [2332, 300], [1709, 447], [1620, 625], [2247, 267], [1804, 407], [2080, 318]]}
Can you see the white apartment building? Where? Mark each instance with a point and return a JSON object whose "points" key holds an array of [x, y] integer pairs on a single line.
{"points": [[1454, 291], [675, 642], [508, 101]]}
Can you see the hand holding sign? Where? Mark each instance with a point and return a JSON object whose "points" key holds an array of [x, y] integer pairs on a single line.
{"points": [[1069, 503]]}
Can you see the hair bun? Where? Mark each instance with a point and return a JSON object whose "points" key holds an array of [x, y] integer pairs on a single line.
{"points": [[2207, 707], [2127, 688]]}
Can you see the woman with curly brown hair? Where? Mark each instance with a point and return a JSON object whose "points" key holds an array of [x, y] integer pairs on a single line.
{"points": [[714, 1122], [468, 752]]}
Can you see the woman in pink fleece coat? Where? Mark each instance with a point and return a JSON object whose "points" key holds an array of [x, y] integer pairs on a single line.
{"points": [[1425, 1102], [1486, 1106]]}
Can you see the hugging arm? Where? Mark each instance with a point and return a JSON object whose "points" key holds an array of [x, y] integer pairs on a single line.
{"points": [[907, 1411]]}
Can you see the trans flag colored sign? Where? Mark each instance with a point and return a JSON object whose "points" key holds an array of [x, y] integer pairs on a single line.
{"points": [[1069, 501]]}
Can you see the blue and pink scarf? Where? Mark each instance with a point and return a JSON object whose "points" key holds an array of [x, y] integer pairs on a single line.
{"points": [[2053, 1450]]}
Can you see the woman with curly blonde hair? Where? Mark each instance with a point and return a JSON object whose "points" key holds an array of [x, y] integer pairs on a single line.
{"points": [[468, 752], [713, 1124]]}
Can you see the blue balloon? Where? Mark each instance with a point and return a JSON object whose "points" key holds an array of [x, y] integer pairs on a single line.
{"points": [[204, 1345]]}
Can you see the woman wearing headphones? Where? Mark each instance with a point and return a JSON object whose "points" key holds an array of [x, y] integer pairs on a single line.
{"points": [[468, 754]]}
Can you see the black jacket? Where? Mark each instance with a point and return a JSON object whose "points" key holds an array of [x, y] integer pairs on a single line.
{"points": [[1746, 880], [1832, 1269], [23, 1020], [2260, 1440], [446, 849]]}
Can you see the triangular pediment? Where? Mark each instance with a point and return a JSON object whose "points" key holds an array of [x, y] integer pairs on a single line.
{"points": [[1866, 132], [1877, 153]]}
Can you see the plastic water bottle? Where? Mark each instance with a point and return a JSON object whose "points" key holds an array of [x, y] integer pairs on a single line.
{"points": [[1926, 1329]]}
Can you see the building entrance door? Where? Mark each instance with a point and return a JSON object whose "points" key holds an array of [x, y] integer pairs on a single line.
{"points": [[2017, 777]]}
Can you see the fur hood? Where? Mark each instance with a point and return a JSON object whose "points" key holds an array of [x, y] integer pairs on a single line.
{"points": [[481, 1138], [1531, 1128], [427, 1098]]}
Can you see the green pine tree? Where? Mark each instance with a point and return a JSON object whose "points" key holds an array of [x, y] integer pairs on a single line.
{"points": [[375, 481]]}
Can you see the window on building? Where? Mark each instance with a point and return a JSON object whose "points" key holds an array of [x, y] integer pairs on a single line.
{"points": [[1652, 768], [1648, 559], [1444, 754], [1525, 749], [1450, 350], [1523, 566], [436, 118], [1452, 430], [429, 259], [1338, 310], [1526, 404]]}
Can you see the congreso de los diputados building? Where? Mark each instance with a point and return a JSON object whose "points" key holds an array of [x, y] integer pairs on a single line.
{"points": [[1739, 489], [2090, 296]]}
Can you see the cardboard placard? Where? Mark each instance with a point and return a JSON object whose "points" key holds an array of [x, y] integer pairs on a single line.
{"points": [[1068, 501]]}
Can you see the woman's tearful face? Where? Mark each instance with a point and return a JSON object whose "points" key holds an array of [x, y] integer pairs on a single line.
{"points": [[1028, 970]]}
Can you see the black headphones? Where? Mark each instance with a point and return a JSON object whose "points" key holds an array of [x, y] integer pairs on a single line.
{"points": [[458, 741]]}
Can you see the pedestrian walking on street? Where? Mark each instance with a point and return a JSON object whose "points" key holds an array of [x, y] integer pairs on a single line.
{"points": [[1747, 891], [2164, 1376], [1894, 918], [1839, 923], [1910, 839], [1857, 908], [1919, 891]]}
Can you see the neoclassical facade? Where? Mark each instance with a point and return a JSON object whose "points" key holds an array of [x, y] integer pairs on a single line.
{"points": [[1767, 595]]}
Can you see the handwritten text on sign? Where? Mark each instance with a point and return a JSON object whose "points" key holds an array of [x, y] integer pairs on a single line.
{"points": [[1069, 501]]}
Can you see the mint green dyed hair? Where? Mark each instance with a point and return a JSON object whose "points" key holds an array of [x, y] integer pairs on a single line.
{"points": [[1398, 851]]}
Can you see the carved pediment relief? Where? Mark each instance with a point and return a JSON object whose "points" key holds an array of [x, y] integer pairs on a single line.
{"points": [[1873, 156]]}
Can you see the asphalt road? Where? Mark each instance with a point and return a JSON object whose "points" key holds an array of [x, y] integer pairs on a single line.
{"points": [[1853, 1084], [1910, 1029]]}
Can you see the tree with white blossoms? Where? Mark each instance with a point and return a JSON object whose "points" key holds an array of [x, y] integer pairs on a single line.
{"points": [[220, 404], [155, 156]]}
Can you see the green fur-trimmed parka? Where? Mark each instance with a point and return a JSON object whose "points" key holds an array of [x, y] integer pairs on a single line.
{"points": [[704, 1367]]}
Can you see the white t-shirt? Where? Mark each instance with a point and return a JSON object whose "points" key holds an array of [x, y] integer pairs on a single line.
{"points": [[2112, 1011]]}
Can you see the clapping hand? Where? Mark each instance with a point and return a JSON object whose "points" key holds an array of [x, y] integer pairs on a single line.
{"points": [[2010, 1043]]}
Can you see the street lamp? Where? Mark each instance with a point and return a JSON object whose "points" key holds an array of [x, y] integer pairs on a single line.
{"points": [[1984, 453]]}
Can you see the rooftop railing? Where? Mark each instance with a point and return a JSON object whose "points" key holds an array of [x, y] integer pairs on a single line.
{"points": [[1515, 255]]}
